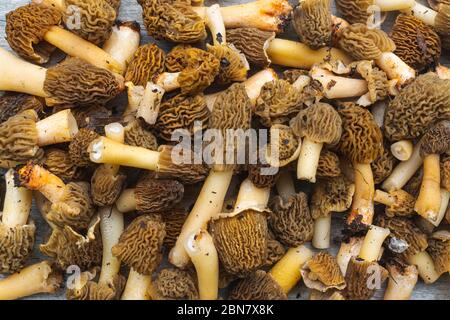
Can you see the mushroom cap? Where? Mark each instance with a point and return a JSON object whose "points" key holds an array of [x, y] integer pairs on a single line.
{"points": [[413, 185], [136, 135], [174, 220], [241, 241], [173, 21], [257, 286], [253, 43], [329, 165], [69, 247], [322, 273], [354, 11], [175, 59], [287, 145], [445, 172], [19, 137], [291, 220], [275, 250], [436, 140], [91, 115], [105, 186], [383, 165], [331, 195], [111, 290], [404, 229], [25, 30], [442, 21], [312, 22], [233, 64], [154, 195], [58, 162], [75, 209], [78, 83], [147, 62], [358, 278], [262, 175], [146, 231], [16, 245], [182, 112], [13, 104], [278, 101], [417, 107], [95, 17], [439, 250], [78, 147], [377, 80], [173, 283], [403, 206], [361, 139], [417, 44], [320, 123]]}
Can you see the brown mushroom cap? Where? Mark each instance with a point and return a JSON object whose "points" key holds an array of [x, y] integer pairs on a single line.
{"points": [[181, 112], [404, 229], [175, 59], [258, 286], [260, 177], [413, 185], [16, 245], [241, 241], [58, 162], [105, 186], [442, 22], [98, 291], [176, 284], [233, 65], [322, 273], [312, 22], [252, 43], [363, 43], [147, 62], [354, 11], [75, 209], [275, 250], [360, 280], [445, 171], [287, 146], [329, 165], [403, 205], [154, 195], [439, 250], [173, 21], [418, 106], [331, 195], [91, 115], [25, 30], [10, 105], [137, 135], [436, 140], [78, 147], [174, 220], [291, 75], [69, 247], [76, 82], [146, 231], [278, 102], [361, 139], [320, 123], [96, 19], [417, 44], [383, 165], [291, 220]]}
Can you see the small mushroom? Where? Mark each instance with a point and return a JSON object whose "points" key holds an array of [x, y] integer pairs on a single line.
{"points": [[439, 250], [284, 146], [329, 165], [137, 136], [78, 147], [398, 202], [275, 250], [58, 162], [90, 290], [176, 284], [383, 165], [402, 280], [11, 105], [90, 115], [147, 62], [262, 175], [377, 83], [174, 220], [322, 273]]}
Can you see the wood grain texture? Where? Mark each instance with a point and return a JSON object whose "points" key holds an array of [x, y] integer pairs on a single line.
{"points": [[130, 10]]}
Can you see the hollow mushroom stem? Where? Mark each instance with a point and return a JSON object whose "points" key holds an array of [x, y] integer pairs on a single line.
{"points": [[285, 185], [17, 204], [250, 196], [362, 206], [137, 287], [215, 23], [429, 200], [373, 242], [347, 250], [322, 232], [401, 282], [58, 128], [200, 248], [126, 201], [402, 149], [308, 160], [37, 278], [148, 108], [395, 67], [425, 266], [286, 272], [168, 81], [301, 82]]}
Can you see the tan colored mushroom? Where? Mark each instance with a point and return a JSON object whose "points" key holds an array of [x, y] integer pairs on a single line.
{"points": [[322, 273], [78, 147], [383, 165], [58, 162], [439, 250], [146, 63], [284, 146], [398, 202], [401, 283], [173, 283], [174, 220], [91, 115], [275, 250], [329, 165], [13, 104], [136, 135]]}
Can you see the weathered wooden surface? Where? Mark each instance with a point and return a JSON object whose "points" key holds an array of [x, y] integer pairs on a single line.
{"points": [[130, 10]]}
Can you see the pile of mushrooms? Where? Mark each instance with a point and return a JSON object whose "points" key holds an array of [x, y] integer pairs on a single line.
{"points": [[356, 150]]}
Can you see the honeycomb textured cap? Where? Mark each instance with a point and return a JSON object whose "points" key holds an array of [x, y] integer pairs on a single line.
{"points": [[436, 140], [136, 135], [252, 43], [354, 11], [322, 273], [233, 66], [329, 165], [176, 284], [78, 147], [148, 61], [58, 162], [13, 104], [383, 165], [111, 290], [16, 246], [439, 250], [258, 286], [106, 186]]}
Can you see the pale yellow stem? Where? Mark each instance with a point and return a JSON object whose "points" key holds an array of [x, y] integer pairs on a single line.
{"points": [[362, 205], [347, 251], [402, 149], [372, 243], [137, 287], [58, 128], [395, 67], [401, 283], [17, 204], [393, 5], [425, 265], [308, 160], [322, 232], [429, 200], [384, 198], [423, 13], [250, 196], [126, 201]]}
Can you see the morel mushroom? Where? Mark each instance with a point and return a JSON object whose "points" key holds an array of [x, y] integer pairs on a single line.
{"points": [[78, 147], [284, 146], [16, 230], [174, 220], [176, 284], [322, 273], [137, 136], [41, 277], [401, 283], [13, 104], [398, 202], [147, 62], [58, 162], [383, 165], [329, 165], [439, 250]]}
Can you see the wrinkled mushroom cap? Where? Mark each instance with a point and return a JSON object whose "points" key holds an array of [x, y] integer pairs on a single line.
{"points": [[252, 43], [174, 220], [275, 250], [16, 245], [445, 171], [322, 273], [146, 231], [442, 21], [286, 147], [136, 135], [262, 175], [354, 11], [417, 107], [78, 147], [383, 165], [233, 64], [241, 241], [147, 62], [403, 206], [176, 284], [98, 291], [76, 82], [319, 123], [58, 162], [91, 115], [25, 30], [278, 101], [312, 22], [10, 105], [291, 75], [377, 80], [106, 186], [258, 286], [173, 21], [69, 247], [436, 140], [291, 220], [439, 250], [175, 59], [329, 165]]}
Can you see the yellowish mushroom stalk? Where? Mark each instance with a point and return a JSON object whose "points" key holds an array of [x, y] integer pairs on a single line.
{"points": [[200, 248], [215, 23], [393, 5], [286, 272], [378, 110], [429, 199], [285, 185], [425, 265], [384, 198], [395, 67], [404, 171], [322, 232], [445, 198], [422, 12], [402, 150], [137, 287], [148, 108], [126, 201], [58, 128], [347, 251], [37, 278], [337, 87], [308, 160], [401, 282], [372, 243], [362, 205], [116, 132], [250, 196], [17, 204]]}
